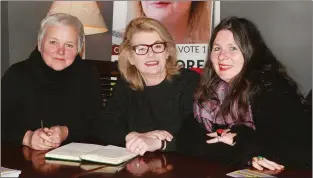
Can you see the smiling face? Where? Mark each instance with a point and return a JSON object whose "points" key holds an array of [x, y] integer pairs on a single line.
{"points": [[165, 10], [59, 46], [226, 56], [150, 64]]}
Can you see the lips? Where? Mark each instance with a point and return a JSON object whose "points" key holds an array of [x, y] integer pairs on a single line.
{"points": [[160, 4], [59, 59], [152, 63], [224, 67]]}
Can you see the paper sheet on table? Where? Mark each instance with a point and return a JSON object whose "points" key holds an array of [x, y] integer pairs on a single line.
{"points": [[247, 173], [6, 172]]}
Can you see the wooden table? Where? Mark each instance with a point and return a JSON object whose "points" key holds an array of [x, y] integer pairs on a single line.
{"points": [[33, 164]]}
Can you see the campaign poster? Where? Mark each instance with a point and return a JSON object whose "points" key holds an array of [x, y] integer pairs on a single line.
{"points": [[189, 22]]}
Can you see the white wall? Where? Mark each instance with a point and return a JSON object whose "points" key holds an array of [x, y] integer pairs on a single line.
{"points": [[287, 29]]}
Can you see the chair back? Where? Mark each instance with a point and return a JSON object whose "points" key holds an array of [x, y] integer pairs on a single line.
{"points": [[108, 75]]}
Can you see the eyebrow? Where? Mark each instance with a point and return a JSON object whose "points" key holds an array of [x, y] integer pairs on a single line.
{"points": [[158, 41], [229, 44], [71, 42], [59, 40]]}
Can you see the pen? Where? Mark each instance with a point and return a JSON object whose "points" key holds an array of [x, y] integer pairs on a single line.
{"points": [[41, 122]]}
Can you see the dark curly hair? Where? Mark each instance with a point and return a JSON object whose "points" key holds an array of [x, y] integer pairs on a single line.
{"points": [[258, 59]]}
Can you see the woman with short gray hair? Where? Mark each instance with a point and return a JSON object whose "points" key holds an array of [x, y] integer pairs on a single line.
{"points": [[62, 19], [53, 94]]}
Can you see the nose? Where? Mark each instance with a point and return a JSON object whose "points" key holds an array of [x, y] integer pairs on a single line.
{"points": [[61, 50], [150, 52], [223, 55]]}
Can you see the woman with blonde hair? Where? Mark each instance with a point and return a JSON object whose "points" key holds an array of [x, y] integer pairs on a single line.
{"points": [[187, 21], [153, 95]]}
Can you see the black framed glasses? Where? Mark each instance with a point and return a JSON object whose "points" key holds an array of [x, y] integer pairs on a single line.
{"points": [[142, 49]]}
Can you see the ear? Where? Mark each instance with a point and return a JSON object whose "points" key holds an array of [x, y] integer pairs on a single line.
{"points": [[167, 54], [38, 46], [131, 60]]}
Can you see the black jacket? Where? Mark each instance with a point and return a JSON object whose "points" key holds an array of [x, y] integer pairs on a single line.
{"points": [[283, 129], [32, 91]]}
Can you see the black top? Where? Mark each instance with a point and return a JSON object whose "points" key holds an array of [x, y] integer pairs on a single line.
{"points": [[159, 107], [283, 129], [32, 91]]}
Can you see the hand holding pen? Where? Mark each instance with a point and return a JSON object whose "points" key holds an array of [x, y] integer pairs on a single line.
{"points": [[45, 138], [56, 133], [38, 139], [46, 130]]}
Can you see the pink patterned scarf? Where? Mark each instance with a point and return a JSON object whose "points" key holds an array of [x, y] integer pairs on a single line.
{"points": [[208, 112]]}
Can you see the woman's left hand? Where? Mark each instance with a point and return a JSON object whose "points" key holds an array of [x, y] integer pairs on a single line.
{"points": [[226, 137], [261, 162], [58, 134]]}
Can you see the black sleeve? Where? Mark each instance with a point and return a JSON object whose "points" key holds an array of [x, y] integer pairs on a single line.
{"points": [[112, 127], [12, 129], [191, 141], [191, 138], [283, 125], [190, 81], [245, 144], [92, 105]]}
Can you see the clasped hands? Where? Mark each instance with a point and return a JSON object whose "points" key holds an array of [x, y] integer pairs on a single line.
{"points": [[226, 137], [150, 141], [45, 138]]}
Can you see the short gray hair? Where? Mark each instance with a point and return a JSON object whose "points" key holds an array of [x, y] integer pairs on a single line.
{"points": [[64, 19]]}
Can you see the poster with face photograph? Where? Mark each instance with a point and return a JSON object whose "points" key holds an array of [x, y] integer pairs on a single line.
{"points": [[189, 22]]}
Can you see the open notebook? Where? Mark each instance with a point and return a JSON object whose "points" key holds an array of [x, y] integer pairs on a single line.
{"points": [[91, 152]]}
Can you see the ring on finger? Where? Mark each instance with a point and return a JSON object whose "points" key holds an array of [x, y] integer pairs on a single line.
{"points": [[260, 158], [219, 132]]}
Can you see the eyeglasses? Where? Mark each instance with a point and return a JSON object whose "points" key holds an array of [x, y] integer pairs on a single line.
{"points": [[143, 49]]}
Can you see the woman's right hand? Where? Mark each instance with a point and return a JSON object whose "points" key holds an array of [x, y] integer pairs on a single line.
{"points": [[140, 144], [131, 135], [38, 139], [157, 134]]}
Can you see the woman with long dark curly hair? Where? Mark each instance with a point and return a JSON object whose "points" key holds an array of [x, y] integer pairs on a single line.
{"points": [[247, 107]]}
